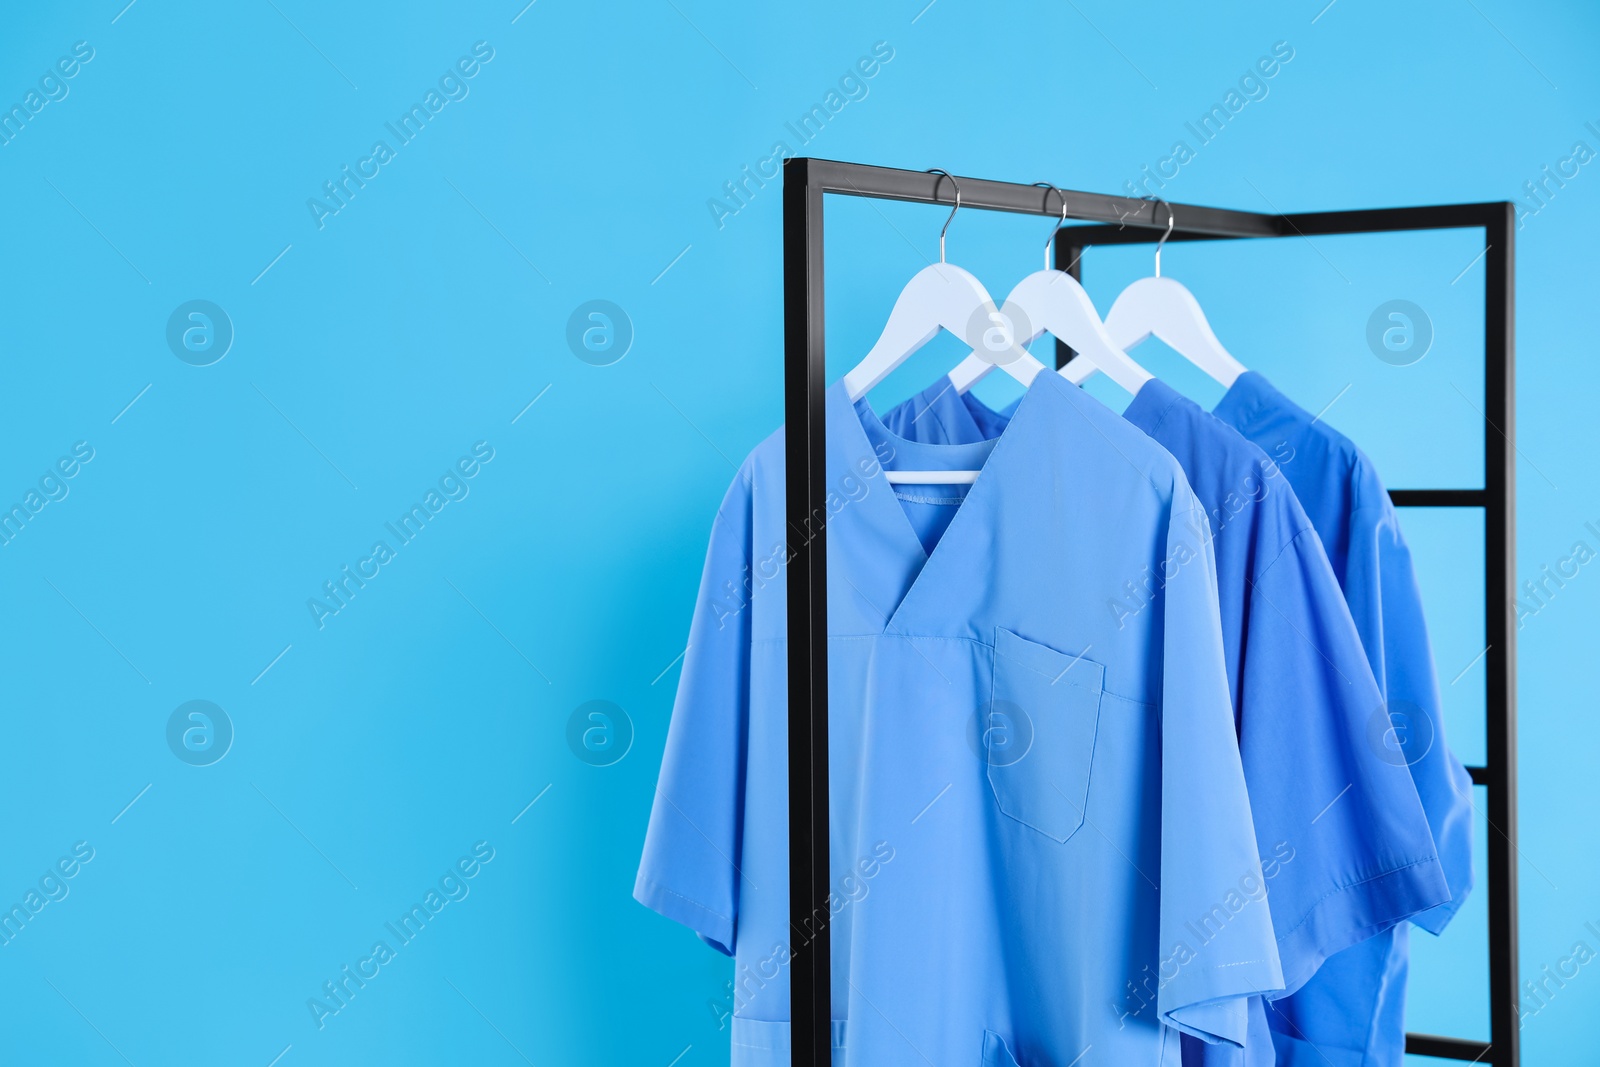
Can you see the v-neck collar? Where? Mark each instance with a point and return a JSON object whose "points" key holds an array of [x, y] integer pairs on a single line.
{"points": [[862, 432]]}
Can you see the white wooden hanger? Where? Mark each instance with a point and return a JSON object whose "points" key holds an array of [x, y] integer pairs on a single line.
{"points": [[941, 297], [1163, 308], [1053, 301]]}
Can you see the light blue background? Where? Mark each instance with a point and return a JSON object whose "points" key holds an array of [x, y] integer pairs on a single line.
{"points": [[428, 313]]}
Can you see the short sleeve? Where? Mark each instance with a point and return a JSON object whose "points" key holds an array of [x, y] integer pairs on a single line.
{"points": [[1216, 941], [1382, 580], [690, 868], [1345, 844]]}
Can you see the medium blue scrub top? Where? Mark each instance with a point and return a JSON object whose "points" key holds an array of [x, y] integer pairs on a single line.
{"points": [[1331, 1020], [1040, 837], [1341, 830]]}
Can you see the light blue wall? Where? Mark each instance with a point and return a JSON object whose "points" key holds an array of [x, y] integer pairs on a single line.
{"points": [[373, 351]]}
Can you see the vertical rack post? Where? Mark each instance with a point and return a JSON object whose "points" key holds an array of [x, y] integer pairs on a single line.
{"points": [[805, 451], [1500, 590]]}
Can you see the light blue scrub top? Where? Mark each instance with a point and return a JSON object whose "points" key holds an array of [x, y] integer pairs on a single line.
{"points": [[1352, 1014], [1040, 837], [1342, 834]]}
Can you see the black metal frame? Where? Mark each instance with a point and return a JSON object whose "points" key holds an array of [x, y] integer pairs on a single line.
{"points": [[1121, 220]]}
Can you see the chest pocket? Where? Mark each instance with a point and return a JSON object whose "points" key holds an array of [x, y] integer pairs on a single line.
{"points": [[1039, 733]]}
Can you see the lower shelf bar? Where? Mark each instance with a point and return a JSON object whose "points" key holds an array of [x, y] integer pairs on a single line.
{"points": [[1449, 1048]]}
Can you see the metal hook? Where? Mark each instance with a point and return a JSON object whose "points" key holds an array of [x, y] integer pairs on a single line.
{"points": [[1171, 218], [1050, 240], [946, 226]]}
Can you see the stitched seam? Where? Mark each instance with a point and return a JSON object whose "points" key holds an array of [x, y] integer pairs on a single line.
{"points": [[1261, 574], [1074, 661], [653, 884], [1147, 705], [1213, 968], [1161, 417], [1353, 885], [921, 498]]}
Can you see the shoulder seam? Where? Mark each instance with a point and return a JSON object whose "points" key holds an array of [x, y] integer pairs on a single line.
{"points": [[1261, 573]]}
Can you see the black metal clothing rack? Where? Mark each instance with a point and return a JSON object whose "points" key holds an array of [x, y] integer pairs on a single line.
{"points": [[1120, 220]]}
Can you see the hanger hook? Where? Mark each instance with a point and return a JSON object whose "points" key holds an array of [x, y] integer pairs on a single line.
{"points": [[945, 228], [1051, 239], [1171, 219]]}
